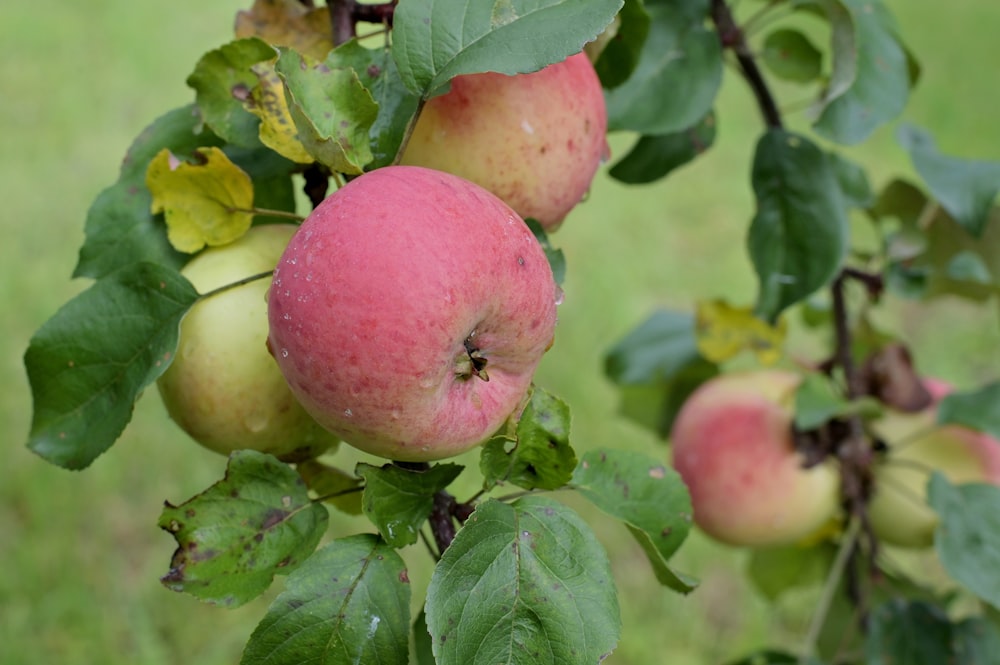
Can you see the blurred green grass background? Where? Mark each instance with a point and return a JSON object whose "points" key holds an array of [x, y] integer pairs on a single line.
{"points": [[81, 552]]}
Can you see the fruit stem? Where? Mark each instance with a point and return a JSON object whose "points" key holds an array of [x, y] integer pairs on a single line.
{"points": [[732, 37], [408, 133], [233, 285], [847, 547], [268, 213]]}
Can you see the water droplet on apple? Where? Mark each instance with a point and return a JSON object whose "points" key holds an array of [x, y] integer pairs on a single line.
{"points": [[560, 295], [309, 277], [256, 422], [288, 317], [284, 353], [292, 260], [348, 413], [395, 414]]}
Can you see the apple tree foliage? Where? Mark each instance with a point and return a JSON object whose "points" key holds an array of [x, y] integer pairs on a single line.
{"points": [[326, 93]]}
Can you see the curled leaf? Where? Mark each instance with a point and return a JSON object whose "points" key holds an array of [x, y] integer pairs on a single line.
{"points": [[204, 203]]}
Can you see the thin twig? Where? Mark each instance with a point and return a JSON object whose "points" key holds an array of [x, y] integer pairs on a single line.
{"points": [[732, 37]]}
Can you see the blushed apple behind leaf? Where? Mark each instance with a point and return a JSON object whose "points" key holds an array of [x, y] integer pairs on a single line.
{"points": [[733, 446], [917, 446], [535, 140], [410, 311], [223, 388]]}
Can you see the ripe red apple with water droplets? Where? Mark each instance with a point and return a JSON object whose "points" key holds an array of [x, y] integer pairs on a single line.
{"points": [[410, 311], [535, 140]]}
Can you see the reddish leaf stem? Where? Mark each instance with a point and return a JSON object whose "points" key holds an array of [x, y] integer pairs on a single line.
{"points": [[732, 37]]}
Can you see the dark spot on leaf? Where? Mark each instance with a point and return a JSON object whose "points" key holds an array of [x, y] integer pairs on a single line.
{"points": [[666, 532], [404, 576], [241, 92], [295, 604], [273, 517], [284, 562], [189, 512], [374, 70]]}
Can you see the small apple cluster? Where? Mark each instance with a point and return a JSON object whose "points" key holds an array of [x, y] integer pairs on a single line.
{"points": [[734, 445], [408, 313]]}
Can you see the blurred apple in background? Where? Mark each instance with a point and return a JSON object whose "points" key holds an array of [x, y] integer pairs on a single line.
{"points": [[410, 311], [223, 387], [535, 140], [733, 446], [917, 446]]}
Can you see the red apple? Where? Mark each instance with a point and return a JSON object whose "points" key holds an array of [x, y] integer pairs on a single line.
{"points": [[733, 446], [535, 140], [410, 311], [223, 388], [899, 512]]}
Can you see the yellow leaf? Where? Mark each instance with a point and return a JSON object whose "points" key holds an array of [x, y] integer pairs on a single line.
{"points": [[204, 203], [277, 129], [288, 23], [723, 331]]}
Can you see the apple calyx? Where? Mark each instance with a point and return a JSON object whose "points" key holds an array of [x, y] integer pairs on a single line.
{"points": [[471, 362]]}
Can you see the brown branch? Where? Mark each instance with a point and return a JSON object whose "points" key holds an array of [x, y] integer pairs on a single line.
{"points": [[731, 36]]}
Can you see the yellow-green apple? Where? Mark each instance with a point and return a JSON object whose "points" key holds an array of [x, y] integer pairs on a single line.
{"points": [[410, 311], [916, 447], [223, 387], [733, 446], [535, 140]]}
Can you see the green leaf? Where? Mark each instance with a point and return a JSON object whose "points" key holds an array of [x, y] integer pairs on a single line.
{"points": [[653, 157], [437, 40], [881, 82], [398, 500], [523, 584], [966, 188], [332, 110], [89, 363], [378, 73], [968, 537], [422, 644], [222, 79], [968, 267], [619, 57], [774, 570], [557, 260], [979, 409], [120, 227], [914, 633], [816, 402], [853, 181], [678, 75], [791, 56], [348, 603], [648, 496], [976, 641], [656, 350], [235, 536], [657, 366], [798, 237], [539, 455]]}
